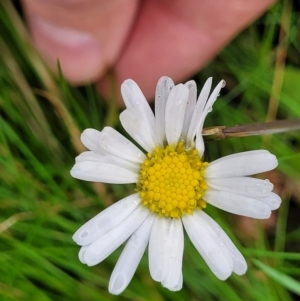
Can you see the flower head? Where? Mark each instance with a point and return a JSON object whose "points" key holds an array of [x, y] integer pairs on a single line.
{"points": [[173, 187]]}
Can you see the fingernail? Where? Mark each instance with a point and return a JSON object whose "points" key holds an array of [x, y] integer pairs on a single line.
{"points": [[63, 35], [78, 52]]}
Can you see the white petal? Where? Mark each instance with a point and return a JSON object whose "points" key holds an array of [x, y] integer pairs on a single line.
{"points": [[241, 164], [90, 139], [239, 262], [135, 126], [174, 248], [272, 200], [104, 246], [237, 204], [163, 89], [196, 119], [200, 144], [158, 252], [103, 172], [208, 106], [135, 99], [242, 154], [246, 186], [207, 244], [175, 110], [130, 257], [190, 108], [108, 158], [118, 145], [106, 220]]}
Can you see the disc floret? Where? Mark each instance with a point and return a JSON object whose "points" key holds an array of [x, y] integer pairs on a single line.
{"points": [[171, 181]]}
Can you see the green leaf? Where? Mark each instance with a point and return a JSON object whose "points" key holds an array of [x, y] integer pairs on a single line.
{"points": [[283, 279]]}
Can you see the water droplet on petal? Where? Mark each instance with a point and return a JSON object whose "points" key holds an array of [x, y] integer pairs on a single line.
{"points": [[84, 234], [135, 240], [223, 83]]}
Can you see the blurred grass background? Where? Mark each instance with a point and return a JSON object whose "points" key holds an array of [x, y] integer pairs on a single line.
{"points": [[41, 205]]}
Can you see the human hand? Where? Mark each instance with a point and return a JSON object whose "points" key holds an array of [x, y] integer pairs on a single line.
{"points": [[142, 40]]}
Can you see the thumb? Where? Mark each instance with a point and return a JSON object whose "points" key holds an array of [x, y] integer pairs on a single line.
{"points": [[85, 36]]}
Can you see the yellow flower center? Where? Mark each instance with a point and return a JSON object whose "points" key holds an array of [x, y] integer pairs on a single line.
{"points": [[172, 182]]}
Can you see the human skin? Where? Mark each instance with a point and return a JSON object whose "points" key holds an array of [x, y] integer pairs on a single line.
{"points": [[142, 40]]}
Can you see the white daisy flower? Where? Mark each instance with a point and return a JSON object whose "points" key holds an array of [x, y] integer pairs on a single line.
{"points": [[173, 187]]}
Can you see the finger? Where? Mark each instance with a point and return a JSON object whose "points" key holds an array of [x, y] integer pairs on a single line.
{"points": [[177, 38], [84, 35]]}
